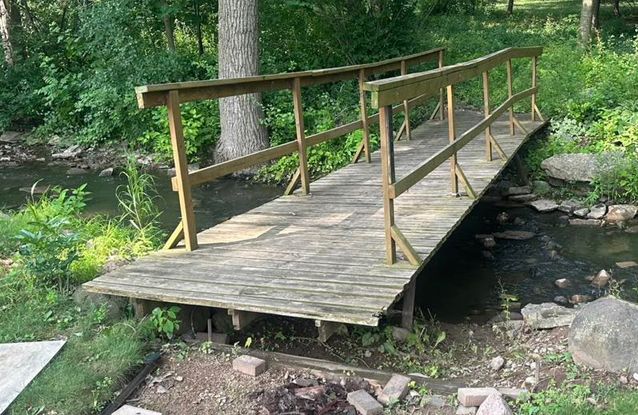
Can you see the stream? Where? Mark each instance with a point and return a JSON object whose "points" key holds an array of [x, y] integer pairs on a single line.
{"points": [[461, 280]]}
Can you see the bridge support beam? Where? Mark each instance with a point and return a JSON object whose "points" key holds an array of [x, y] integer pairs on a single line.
{"points": [[181, 172], [387, 178], [407, 312], [301, 136]]}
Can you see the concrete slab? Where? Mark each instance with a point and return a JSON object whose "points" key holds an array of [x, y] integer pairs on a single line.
{"points": [[20, 363], [133, 410]]}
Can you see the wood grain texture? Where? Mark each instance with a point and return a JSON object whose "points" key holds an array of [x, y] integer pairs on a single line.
{"points": [[322, 256]]}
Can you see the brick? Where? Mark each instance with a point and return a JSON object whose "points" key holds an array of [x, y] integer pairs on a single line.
{"points": [[364, 403], [395, 390], [474, 396], [494, 405], [133, 410], [249, 365]]}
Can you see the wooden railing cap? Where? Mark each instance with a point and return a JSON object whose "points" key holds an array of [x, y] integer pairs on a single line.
{"points": [[155, 94], [386, 91]]}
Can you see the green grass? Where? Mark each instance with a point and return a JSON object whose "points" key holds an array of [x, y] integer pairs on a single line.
{"points": [[103, 344]]}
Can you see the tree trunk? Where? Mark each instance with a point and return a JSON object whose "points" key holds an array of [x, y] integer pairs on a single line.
{"points": [[200, 40], [167, 18], [595, 18], [240, 116], [586, 16], [616, 7], [5, 31], [510, 7]]}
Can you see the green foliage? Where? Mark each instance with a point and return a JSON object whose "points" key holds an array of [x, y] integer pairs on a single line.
{"points": [[555, 401], [137, 200], [619, 184], [165, 321]]}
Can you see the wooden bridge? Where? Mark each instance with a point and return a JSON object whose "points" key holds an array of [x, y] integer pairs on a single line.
{"points": [[348, 246]]}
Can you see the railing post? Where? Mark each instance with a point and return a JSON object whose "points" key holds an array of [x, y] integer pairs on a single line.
{"points": [[534, 83], [388, 178], [441, 99], [486, 107], [406, 105], [451, 123], [510, 92], [364, 115], [301, 136], [181, 171]]}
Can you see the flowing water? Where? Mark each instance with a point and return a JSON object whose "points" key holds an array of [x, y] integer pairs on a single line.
{"points": [[459, 281], [213, 202]]}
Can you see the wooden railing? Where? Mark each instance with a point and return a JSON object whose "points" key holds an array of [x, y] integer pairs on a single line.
{"points": [[387, 92], [172, 95]]}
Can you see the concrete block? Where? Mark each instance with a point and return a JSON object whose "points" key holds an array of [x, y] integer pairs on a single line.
{"points": [[466, 410], [474, 396], [364, 403], [249, 365], [395, 390]]}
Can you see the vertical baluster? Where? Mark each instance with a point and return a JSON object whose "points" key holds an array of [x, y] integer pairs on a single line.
{"points": [[364, 115], [486, 107], [181, 171], [301, 136], [406, 105], [534, 83], [441, 99], [510, 92], [451, 122], [388, 178]]}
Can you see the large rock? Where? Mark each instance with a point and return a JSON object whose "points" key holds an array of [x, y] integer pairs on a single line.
{"points": [[544, 205], [604, 335], [113, 306], [494, 405], [621, 213], [547, 315], [578, 167]]}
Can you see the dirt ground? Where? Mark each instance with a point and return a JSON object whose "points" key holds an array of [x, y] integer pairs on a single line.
{"points": [[197, 380]]}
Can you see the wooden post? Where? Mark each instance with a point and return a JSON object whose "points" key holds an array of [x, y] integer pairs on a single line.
{"points": [[407, 312], [510, 92], [534, 83], [301, 136], [441, 64], [406, 105], [451, 123], [387, 173], [181, 171], [364, 115], [486, 107]]}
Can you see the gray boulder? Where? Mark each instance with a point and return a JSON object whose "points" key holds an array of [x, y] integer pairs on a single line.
{"points": [[604, 335], [621, 213], [113, 306], [544, 205], [578, 167], [547, 315], [597, 212]]}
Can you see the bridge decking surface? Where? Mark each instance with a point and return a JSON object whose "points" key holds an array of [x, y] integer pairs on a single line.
{"points": [[321, 256]]}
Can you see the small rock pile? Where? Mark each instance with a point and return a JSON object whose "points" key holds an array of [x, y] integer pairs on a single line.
{"points": [[346, 396]]}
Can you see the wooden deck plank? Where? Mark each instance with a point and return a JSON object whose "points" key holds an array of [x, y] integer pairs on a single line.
{"points": [[321, 256]]}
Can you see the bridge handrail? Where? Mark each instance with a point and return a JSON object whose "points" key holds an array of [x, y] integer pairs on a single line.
{"points": [[389, 91], [172, 95], [155, 95]]}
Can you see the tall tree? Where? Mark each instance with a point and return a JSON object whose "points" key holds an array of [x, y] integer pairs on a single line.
{"points": [[510, 6], [167, 18], [6, 22], [616, 7], [238, 44], [586, 18]]}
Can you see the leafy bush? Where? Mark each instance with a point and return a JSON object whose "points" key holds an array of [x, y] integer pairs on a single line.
{"points": [[165, 321]]}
